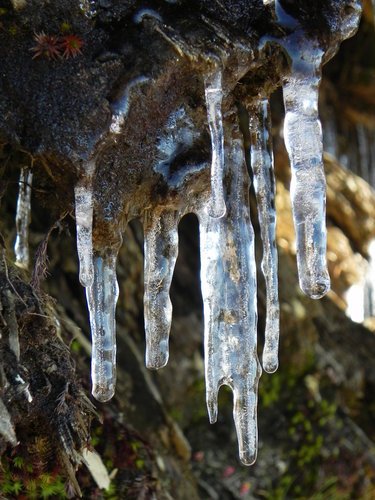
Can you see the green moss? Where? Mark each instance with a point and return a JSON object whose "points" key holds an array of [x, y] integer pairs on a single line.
{"points": [[13, 30], [18, 479], [75, 346], [65, 27]]}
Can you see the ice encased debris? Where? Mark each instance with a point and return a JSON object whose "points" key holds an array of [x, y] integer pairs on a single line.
{"points": [[83, 193], [228, 280], [228, 269]]}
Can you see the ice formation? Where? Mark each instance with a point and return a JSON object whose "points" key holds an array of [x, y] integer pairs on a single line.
{"points": [[23, 215], [304, 143], [102, 298], [303, 140], [228, 280], [228, 271], [121, 106], [264, 184], [160, 248], [214, 96], [88, 7], [6, 427], [83, 193]]}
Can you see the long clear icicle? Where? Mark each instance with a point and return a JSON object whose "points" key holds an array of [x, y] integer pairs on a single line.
{"points": [[83, 193], [161, 249], [303, 140], [264, 184], [23, 217], [214, 97], [228, 280], [101, 300]]}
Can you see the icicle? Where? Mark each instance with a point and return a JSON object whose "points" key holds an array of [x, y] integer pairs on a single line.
{"points": [[214, 96], [23, 215], [101, 300], [264, 184], [303, 140], [83, 193], [228, 278], [6, 427], [161, 248]]}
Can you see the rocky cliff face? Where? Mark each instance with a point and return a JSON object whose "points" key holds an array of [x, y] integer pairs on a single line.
{"points": [[120, 110]]}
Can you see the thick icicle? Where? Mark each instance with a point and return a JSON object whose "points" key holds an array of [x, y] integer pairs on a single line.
{"points": [[264, 184], [228, 278], [214, 97], [101, 300], [303, 140], [23, 215], [161, 249], [83, 193]]}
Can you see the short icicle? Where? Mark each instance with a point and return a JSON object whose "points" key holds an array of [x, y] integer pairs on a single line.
{"points": [[264, 183], [102, 298], [83, 193], [303, 140], [228, 280], [23, 216], [160, 249], [214, 97]]}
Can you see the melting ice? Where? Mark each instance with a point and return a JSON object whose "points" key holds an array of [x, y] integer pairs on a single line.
{"points": [[83, 193], [214, 97], [228, 280], [102, 298], [264, 184], [228, 272]]}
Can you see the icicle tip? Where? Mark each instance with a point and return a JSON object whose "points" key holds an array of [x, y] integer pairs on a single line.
{"points": [[157, 358], [103, 394], [212, 409], [248, 457], [316, 288], [270, 362]]}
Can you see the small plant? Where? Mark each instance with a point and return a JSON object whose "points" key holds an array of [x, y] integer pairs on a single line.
{"points": [[56, 47], [71, 46], [46, 46]]}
